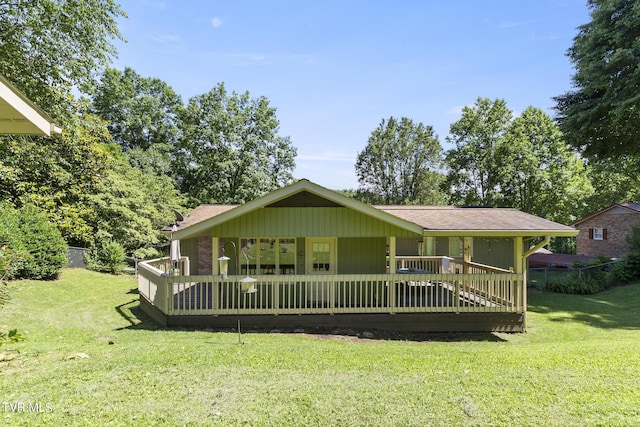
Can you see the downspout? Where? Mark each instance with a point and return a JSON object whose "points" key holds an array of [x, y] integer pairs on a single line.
{"points": [[540, 245]]}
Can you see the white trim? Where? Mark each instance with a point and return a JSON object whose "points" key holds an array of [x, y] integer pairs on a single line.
{"points": [[24, 117]]}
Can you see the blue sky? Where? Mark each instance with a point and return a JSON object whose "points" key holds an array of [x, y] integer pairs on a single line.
{"points": [[335, 69]]}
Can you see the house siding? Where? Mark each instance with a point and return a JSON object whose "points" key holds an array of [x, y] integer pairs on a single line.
{"points": [[367, 255], [308, 222], [497, 251], [618, 224], [189, 248]]}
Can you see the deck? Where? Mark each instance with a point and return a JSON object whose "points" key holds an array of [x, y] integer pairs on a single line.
{"points": [[413, 290]]}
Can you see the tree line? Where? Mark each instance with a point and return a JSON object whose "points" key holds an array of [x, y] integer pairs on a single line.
{"points": [[133, 152]]}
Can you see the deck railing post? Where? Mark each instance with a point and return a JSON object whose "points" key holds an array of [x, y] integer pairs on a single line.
{"points": [[333, 282], [391, 294], [275, 297], [456, 296]]}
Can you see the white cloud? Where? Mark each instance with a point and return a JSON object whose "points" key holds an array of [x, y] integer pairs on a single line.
{"points": [[514, 24], [216, 22]]}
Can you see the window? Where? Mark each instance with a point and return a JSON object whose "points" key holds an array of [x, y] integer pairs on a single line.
{"points": [[268, 256], [598, 233]]}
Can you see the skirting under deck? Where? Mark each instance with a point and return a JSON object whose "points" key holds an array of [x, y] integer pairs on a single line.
{"points": [[409, 322]]}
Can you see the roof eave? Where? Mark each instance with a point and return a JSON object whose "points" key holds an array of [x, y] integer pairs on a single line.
{"points": [[26, 118], [500, 233]]}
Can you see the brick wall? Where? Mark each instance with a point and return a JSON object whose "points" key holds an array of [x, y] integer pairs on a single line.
{"points": [[205, 256], [618, 226]]}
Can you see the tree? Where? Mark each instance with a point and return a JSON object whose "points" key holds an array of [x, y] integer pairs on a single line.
{"points": [[49, 47], [522, 163], [541, 175], [229, 150], [400, 164], [475, 169], [140, 112], [601, 115], [614, 181], [59, 174], [131, 206]]}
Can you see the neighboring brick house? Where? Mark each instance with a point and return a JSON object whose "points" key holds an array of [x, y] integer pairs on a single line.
{"points": [[605, 232]]}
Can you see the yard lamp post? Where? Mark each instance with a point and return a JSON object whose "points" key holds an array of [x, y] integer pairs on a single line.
{"points": [[245, 285]]}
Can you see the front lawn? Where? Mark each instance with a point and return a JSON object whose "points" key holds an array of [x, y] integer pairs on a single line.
{"points": [[91, 358]]}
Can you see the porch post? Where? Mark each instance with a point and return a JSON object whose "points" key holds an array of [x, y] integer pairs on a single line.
{"points": [[215, 249], [466, 254], [392, 254], [215, 271], [521, 288]]}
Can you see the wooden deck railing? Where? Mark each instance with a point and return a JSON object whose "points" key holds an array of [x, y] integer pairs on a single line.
{"points": [[331, 294], [430, 264]]}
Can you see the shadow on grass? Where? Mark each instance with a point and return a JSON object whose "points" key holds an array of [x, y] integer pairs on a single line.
{"points": [[137, 319], [133, 314], [616, 308]]}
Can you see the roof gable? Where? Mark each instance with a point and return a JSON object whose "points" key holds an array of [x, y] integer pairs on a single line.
{"points": [[302, 193], [632, 208], [305, 199]]}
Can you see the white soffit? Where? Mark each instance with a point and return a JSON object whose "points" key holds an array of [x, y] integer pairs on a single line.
{"points": [[20, 116]]}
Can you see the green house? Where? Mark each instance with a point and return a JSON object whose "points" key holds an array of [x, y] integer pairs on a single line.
{"points": [[316, 258]]}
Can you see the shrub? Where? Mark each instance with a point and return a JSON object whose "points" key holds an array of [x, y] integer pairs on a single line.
{"points": [[146, 253], [106, 255], [46, 248], [629, 268], [585, 281], [31, 247]]}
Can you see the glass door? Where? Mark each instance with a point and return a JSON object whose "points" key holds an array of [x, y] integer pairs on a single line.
{"points": [[321, 261], [321, 256]]}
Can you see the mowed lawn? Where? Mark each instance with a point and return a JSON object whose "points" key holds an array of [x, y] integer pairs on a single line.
{"points": [[91, 358]]}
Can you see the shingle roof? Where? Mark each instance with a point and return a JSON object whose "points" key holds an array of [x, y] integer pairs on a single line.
{"points": [[201, 213], [428, 217], [631, 206], [465, 218]]}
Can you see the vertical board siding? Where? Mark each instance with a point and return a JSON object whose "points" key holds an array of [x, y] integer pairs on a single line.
{"points": [[495, 251], [189, 249], [362, 255], [309, 222]]}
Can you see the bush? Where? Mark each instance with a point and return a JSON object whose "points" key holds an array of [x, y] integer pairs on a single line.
{"points": [[31, 247], [146, 253], [43, 242], [629, 268], [586, 281], [106, 255]]}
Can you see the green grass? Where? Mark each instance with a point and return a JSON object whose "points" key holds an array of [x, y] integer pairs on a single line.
{"points": [[579, 364]]}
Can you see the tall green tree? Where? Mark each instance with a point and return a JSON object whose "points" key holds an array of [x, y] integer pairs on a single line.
{"points": [[400, 164], [49, 47], [541, 175], [475, 169], [141, 116], [614, 181], [601, 115], [229, 150], [132, 206], [520, 162], [59, 174]]}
